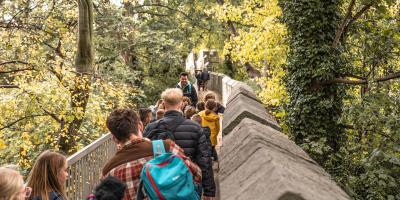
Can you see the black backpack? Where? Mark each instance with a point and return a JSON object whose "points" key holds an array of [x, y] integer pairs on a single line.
{"points": [[163, 131]]}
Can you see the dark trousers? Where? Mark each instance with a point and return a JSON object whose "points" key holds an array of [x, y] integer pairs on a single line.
{"points": [[205, 85], [199, 84], [214, 154]]}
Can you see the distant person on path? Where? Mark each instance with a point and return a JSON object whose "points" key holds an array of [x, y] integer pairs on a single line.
{"points": [[187, 88], [211, 119], [188, 135], [199, 80], [48, 176], [205, 77], [135, 151], [12, 185]]}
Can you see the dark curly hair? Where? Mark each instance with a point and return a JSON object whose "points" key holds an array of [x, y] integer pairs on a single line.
{"points": [[110, 188], [122, 123]]}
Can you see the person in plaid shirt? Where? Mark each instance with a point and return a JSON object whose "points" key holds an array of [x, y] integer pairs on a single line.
{"points": [[134, 151]]}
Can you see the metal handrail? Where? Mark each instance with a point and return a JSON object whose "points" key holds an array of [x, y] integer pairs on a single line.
{"points": [[84, 167]]}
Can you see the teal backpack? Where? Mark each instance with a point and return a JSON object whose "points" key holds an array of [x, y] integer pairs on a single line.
{"points": [[166, 177]]}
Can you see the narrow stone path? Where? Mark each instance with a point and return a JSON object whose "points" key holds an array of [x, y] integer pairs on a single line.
{"points": [[201, 95]]}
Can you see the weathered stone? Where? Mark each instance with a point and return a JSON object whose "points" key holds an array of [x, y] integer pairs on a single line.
{"points": [[244, 107], [257, 162], [241, 89], [252, 134], [227, 86]]}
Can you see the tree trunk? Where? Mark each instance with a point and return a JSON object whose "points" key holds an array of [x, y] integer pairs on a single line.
{"points": [[81, 89], [313, 112]]}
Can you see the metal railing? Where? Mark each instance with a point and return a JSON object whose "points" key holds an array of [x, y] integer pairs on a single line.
{"points": [[84, 167]]}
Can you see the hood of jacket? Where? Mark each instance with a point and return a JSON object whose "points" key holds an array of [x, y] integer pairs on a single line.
{"points": [[210, 117]]}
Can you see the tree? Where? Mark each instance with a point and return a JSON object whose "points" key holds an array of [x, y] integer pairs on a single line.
{"points": [[314, 109], [81, 88], [45, 97]]}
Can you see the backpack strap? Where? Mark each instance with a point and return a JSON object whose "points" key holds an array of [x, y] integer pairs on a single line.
{"points": [[158, 147], [139, 193]]}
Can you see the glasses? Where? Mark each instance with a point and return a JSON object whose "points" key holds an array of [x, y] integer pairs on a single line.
{"points": [[28, 191]]}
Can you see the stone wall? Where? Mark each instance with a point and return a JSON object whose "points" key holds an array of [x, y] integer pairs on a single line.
{"points": [[257, 161]]}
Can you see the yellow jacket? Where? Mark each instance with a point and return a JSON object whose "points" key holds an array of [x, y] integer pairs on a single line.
{"points": [[212, 121]]}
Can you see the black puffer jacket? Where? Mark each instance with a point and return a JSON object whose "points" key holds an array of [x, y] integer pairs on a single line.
{"points": [[190, 137]]}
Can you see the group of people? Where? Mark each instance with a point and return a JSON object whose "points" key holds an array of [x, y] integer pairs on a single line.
{"points": [[193, 125], [45, 182], [202, 78]]}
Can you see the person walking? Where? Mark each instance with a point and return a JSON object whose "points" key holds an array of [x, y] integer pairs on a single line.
{"points": [[188, 135], [211, 119], [126, 165], [199, 80], [187, 88], [205, 77]]}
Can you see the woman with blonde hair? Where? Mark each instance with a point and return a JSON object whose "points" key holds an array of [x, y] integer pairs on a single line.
{"points": [[48, 176], [12, 185]]}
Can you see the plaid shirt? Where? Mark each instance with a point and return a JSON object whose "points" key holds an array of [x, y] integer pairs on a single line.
{"points": [[130, 172]]}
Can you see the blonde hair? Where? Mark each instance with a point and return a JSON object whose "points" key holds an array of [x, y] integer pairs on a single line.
{"points": [[43, 177], [11, 183], [172, 96]]}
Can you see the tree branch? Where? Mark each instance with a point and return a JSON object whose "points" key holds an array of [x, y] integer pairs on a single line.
{"points": [[388, 77], [356, 16], [342, 26], [164, 6], [15, 70], [363, 80], [57, 49], [14, 62], [9, 86], [18, 120], [360, 12]]}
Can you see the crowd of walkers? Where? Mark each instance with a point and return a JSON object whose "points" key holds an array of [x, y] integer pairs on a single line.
{"points": [[164, 152]]}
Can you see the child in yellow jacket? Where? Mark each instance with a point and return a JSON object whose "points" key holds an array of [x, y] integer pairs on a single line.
{"points": [[211, 119]]}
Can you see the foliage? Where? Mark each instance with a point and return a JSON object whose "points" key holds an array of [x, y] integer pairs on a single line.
{"points": [[329, 73], [261, 42], [373, 145], [312, 59], [364, 157]]}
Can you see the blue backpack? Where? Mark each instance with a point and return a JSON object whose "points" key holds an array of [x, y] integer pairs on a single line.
{"points": [[166, 177]]}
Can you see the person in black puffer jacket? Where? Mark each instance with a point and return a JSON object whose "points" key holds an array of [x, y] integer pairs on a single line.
{"points": [[188, 135]]}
